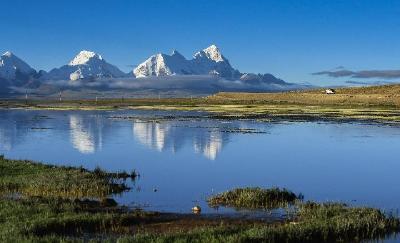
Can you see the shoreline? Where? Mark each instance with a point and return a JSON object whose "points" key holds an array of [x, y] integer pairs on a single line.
{"points": [[378, 104], [380, 115]]}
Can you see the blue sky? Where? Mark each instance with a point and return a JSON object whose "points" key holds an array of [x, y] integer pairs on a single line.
{"points": [[290, 39]]}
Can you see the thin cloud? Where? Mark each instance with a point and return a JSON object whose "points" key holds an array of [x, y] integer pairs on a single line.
{"points": [[336, 74], [368, 83], [383, 74], [187, 82]]}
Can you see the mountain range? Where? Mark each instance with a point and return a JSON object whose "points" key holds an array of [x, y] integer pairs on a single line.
{"points": [[209, 61], [89, 66]]}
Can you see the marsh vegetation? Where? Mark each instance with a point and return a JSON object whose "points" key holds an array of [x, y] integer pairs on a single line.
{"points": [[49, 203]]}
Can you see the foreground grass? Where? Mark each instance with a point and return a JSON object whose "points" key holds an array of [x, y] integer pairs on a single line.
{"points": [[315, 223], [51, 221], [41, 219], [50, 211]]}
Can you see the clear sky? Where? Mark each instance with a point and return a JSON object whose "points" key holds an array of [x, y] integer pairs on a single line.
{"points": [[290, 39]]}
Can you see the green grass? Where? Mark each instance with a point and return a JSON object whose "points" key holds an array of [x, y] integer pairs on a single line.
{"points": [[28, 178], [254, 198]]}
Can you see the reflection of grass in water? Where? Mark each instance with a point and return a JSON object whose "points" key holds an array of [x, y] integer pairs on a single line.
{"points": [[254, 198], [32, 179]]}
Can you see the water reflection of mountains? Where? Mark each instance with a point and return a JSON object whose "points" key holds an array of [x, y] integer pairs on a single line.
{"points": [[15, 126], [89, 131], [170, 135], [87, 135]]}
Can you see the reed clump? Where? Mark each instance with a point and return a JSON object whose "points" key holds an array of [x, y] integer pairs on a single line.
{"points": [[254, 198]]}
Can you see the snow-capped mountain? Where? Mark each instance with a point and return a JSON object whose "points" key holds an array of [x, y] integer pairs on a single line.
{"points": [[163, 65], [207, 61], [86, 65], [14, 70], [208, 71], [211, 61]]}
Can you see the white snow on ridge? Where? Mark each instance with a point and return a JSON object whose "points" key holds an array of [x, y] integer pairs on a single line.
{"points": [[7, 54], [212, 52], [83, 57]]}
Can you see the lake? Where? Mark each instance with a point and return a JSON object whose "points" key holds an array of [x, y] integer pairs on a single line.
{"points": [[183, 157]]}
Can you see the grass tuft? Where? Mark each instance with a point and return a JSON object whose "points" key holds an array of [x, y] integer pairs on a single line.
{"points": [[254, 198]]}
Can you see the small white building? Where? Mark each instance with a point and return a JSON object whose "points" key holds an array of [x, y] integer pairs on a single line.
{"points": [[330, 91]]}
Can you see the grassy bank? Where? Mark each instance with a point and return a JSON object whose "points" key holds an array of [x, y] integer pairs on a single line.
{"points": [[51, 204], [28, 178], [39, 202]]}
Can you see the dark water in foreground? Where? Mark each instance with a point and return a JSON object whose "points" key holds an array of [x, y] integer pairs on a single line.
{"points": [[187, 159]]}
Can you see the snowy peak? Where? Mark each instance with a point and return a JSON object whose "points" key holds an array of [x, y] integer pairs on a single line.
{"points": [[12, 67], [85, 65], [211, 61], [84, 57], [212, 52]]}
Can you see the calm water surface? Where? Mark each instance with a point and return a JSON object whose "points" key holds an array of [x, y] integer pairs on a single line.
{"points": [[187, 159]]}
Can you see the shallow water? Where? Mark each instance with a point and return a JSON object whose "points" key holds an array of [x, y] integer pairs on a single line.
{"points": [[187, 159]]}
